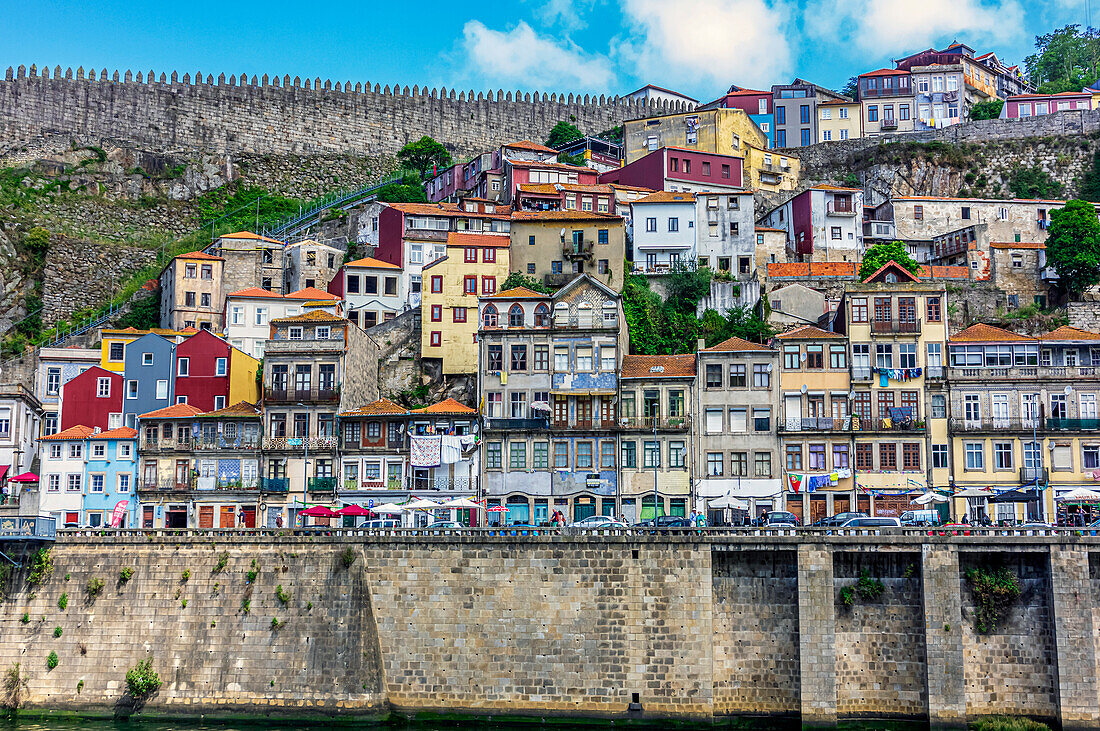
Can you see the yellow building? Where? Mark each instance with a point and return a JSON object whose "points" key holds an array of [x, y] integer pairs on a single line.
{"points": [[475, 265], [1023, 418], [897, 332], [113, 344], [556, 246], [839, 120], [815, 428], [191, 292], [721, 131], [243, 385]]}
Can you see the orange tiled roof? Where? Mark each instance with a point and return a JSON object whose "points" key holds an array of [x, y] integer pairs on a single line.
{"points": [[982, 333], [555, 188], [464, 238], [311, 293], [668, 196], [564, 216], [315, 316], [1070, 333], [620, 186], [73, 432], [516, 293], [175, 411], [672, 366], [736, 345], [884, 72], [1016, 245], [811, 269], [529, 145], [255, 292], [1045, 96], [777, 230], [827, 186], [450, 210], [447, 406], [250, 235], [381, 407], [371, 262], [199, 255], [241, 408], [551, 166], [808, 332], [938, 271], [123, 432], [746, 92]]}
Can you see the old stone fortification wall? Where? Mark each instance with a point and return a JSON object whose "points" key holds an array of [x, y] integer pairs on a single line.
{"points": [[690, 626], [281, 115], [83, 274]]}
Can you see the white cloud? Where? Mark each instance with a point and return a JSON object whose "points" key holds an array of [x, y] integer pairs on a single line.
{"points": [[899, 27], [565, 14], [710, 43], [522, 56]]}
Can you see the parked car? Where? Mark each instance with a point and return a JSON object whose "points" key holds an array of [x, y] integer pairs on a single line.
{"points": [[779, 519], [839, 519], [920, 517], [672, 521], [867, 522], [445, 524], [379, 523], [597, 521]]}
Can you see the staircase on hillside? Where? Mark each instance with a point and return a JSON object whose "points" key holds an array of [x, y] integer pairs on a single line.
{"points": [[343, 200]]}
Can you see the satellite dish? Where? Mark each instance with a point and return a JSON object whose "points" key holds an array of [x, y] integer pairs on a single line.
{"points": [[851, 395], [804, 388], [1067, 390]]}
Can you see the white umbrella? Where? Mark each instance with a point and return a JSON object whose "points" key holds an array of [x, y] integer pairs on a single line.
{"points": [[1081, 495], [462, 503], [929, 497], [421, 504], [728, 502], [388, 509]]}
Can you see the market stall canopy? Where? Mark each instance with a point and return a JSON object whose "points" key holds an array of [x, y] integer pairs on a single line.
{"points": [[388, 509], [974, 492], [318, 511], [462, 503], [1081, 495], [728, 501], [498, 509], [929, 497], [421, 504], [357, 510], [1015, 496]]}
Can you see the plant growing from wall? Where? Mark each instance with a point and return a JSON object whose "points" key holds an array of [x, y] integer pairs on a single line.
{"points": [[275, 623], [51, 660], [186, 575], [252, 572], [1008, 723], [867, 588], [94, 587], [994, 592], [125, 574], [519, 279], [41, 567], [80, 685], [63, 601], [14, 684], [987, 110], [246, 605], [142, 680], [223, 559], [26, 618], [347, 557], [561, 133], [57, 631], [1033, 182], [284, 596]]}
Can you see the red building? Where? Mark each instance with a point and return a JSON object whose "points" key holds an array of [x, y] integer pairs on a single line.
{"points": [[91, 399], [202, 371], [565, 197], [518, 172], [677, 168]]}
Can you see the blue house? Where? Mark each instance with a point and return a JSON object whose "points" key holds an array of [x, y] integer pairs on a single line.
{"points": [[110, 478], [149, 377]]}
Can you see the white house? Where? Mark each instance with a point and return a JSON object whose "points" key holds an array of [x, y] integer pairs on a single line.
{"points": [[374, 291], [61, 474], [20, 416], [664, 231], [249, 312]]}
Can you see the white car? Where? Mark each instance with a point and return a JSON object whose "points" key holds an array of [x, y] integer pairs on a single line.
{"points": [[597, 521], [872, 523]]}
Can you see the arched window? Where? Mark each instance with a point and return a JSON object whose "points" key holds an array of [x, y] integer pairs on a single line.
{"points": [[489, 316], [515, 316], [542, 316]]}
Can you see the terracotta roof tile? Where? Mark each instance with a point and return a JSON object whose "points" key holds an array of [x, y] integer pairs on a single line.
{"points": [[122, 432], [884, 72], [982, 333], [381, 407], [667, 366], [202, 256], [1016, 245], [241, 408], [668, 196], [250, 235], [808, 332], [372, 263], [826, 186], [516, 293], [1070, 333], [463, 238], [255, 292], [564, 216], [529, 145], [447, 406], [448, 210], [73, 432], [765, 228], [311, 293], [175, 411], [736, 345], [315, 316], [547, 165], [557, 188]]}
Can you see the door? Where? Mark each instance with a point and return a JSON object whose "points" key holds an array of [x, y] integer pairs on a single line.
{"points": [[583, 507], [183, 473], [1029, 409], [206, 516], [150, 479], [249, 516], [1088, 411], [584, 412], [147, 514], [841, 504], [542, 514], [972, 410], [561, 412], [1000, 410], [227, 517], [792, 411]]}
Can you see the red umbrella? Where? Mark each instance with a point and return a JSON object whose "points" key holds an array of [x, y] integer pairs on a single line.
{"points": [[318, 511], [25, 477], [356, 510]]}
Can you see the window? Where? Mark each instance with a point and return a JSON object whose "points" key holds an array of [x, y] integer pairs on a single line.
{"points": [[437, 284], [815, 357], [116, 352], [888, 456], [493, 455], [738, 420], [99, 450], [584, 359], [761, 375], [607, 454], [1002, 455], [73, 484], [805, 137], [162, 389], [939, 406], [53, 381], [489, 255], [673, 224], [515, 316], [907, 355], [294, 333], [436, 338], [835, 233], [939, 456], [910, 456], [123, 483], [918, 212], [725, 171], [630, 455], [517, 456], [715, 464], [872, 112], [933, 309], [540, 455], [519, 358], [488, 285], [541, 360], [763, 464], [838, 357], [651, 225], [204, 299], [103, 387], [221, 365], [147, 359], [975, 455], [737, 375], [76, 451], [584, 455], [1090, 457], [602, 236], [561, 358], [780, 134], [790, 357], [794, 456], [714, 375], [884, 355], [859, 309], [437, 313], [189, 271], [607, 359]]}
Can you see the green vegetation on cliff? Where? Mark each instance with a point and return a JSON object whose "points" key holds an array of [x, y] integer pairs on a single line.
{"points": [[1073, 246], [1067, 59]]}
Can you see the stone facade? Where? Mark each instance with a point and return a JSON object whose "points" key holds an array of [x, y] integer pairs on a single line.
{"points": [[67, 286]]}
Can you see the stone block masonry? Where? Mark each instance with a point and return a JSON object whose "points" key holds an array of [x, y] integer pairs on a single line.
{"points": [[83, 274], [285, 116], [693, 626]]}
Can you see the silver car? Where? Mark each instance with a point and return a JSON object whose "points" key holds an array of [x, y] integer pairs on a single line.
{"points": [[597, 522]]}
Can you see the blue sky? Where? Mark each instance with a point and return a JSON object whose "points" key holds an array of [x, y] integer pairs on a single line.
{"points": [[699, 47]]}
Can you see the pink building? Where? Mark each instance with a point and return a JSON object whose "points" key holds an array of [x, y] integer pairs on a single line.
{"points": [[677, 168], [445, 184], [1023, 106]]}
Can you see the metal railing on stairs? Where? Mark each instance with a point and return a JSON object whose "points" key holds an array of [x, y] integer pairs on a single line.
{"points": [[340, 199]]}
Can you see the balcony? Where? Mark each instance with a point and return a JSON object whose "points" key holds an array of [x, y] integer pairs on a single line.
{"points": [[1018, 373], [933, 372], [321, 484], [949, 248], [840, 208], [1031, 474], [303, 345], [454, 484], [293, 444], [889, 123], [1073, 424], [313, 395], [164, 445], [498, 424], [220, 442], [218, 483], [957, 426], [584, 425], [577, 250], [815, 424], [169, 484], [651, 423], [275, 484], [861, 373], [379, 484], [895, 327]]}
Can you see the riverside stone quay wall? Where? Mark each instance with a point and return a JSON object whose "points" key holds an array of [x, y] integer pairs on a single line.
{"points": [[281, 115], [699, 626]]}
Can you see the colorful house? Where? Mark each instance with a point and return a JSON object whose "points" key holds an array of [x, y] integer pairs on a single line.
{"points": [[1023, 106], [92, 399], [372, 291], [191, 292], [150, 376], [56, 367], [110, 495], [755, 103], [211, 374]]}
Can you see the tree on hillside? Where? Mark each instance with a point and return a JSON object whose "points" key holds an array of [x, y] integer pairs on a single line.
{"points": [[1073, 246], [851, 89], [519, 279], [1033, 182], [1066, 60], [407, 191], [1089, 188], [424, 155], [987, 110], [563, 132], [877, 256]]}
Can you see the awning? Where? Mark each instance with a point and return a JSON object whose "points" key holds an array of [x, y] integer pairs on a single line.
{"points": [[25, 477], [727, 501], [3, 471], [584, 392], [1080, 495], [1015, 496], [974, 492]]}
